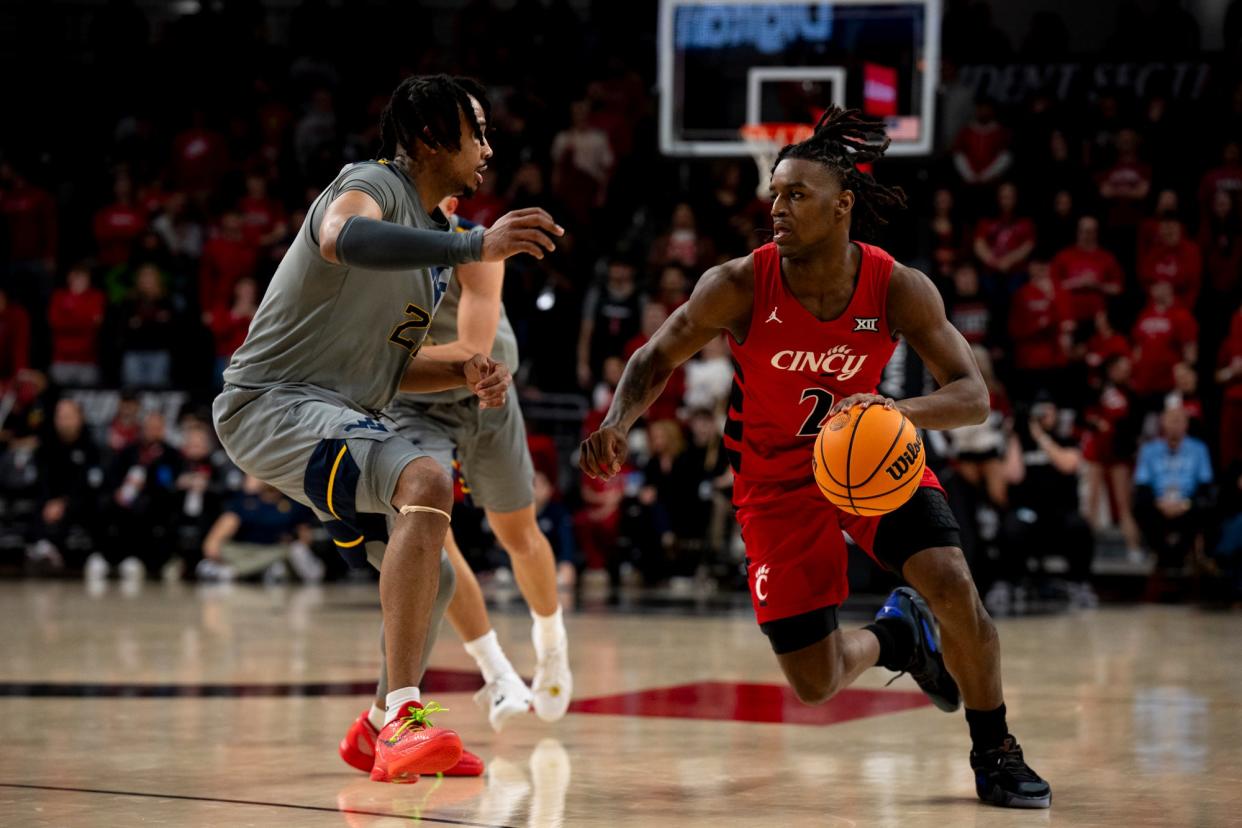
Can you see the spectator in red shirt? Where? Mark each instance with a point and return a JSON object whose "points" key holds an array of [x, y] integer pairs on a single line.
{"points": [[1123, 189], [1109, 446], [76, 315], [200, 156], [1226, 178], [227, 257], [1087, 273], [1041, 326], [1126, 184], [1164, 334], [230, 324], [1174, 259], [1004, 243], [14, 340], [981, 150], [119, 224], [29, 217], [263, 217], [1229, 378]]}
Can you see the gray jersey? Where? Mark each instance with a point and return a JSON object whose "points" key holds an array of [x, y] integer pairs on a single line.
{"points": [[444, 330], [338, 327]]}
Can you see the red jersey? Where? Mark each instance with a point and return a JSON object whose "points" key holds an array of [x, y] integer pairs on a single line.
{"points": [[793, 367]]}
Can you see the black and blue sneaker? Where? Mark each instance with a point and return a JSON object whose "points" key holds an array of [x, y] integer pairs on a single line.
{"points": [[907, 607], [1002, 777]]}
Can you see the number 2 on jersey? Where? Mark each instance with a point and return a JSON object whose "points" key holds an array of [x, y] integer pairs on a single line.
{"points": [[823, 404], [418, 320]]}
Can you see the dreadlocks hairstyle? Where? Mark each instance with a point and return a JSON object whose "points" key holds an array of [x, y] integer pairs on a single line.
{"points": [[842, 140], [425, 108]]}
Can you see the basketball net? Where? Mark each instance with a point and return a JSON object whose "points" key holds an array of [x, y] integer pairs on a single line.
{"points": [[765, 143]]}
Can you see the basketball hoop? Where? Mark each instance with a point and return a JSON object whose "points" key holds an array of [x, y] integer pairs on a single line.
{"points": [[765, 142]]}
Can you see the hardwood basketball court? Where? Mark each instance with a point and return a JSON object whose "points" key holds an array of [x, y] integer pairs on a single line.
{"points": [[223, 706]]}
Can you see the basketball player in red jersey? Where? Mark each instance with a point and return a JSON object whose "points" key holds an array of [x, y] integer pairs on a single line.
{"points": [[813, 318]]}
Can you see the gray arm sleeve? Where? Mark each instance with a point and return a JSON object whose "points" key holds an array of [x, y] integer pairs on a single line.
{"points": [[383, 245]]}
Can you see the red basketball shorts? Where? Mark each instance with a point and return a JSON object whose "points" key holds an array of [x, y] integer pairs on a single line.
{"points": [[796, 558]]}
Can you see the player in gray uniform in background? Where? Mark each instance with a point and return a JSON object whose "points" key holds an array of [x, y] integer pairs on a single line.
{"points": [[495, 462], [336, 336]]}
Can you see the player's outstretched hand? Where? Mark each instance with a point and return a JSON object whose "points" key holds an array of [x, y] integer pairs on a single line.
{"points": [[530, 230], [603, 453], [488, 379], [862, 400]]}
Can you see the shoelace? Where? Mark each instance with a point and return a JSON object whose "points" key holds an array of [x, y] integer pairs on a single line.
{"points": [[418, 718], [1010, 760]]}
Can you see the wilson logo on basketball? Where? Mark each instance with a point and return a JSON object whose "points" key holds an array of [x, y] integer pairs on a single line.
{"points": [[840, 360], [898, 468]]}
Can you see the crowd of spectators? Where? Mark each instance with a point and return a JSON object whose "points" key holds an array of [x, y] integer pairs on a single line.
{"points": [[1091, 261]]}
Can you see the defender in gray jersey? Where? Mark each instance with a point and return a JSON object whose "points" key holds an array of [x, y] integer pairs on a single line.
{"points": [[337, 334], [490, 445]]}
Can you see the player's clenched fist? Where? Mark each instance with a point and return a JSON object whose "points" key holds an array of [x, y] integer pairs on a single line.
{"points": [[603, 453], [488, 379], [529, 230]]}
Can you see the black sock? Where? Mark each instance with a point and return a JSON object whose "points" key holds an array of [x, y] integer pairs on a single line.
{"points": [[987, 728], [896, 644]]}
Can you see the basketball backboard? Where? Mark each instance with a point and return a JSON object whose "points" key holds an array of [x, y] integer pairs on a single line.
{"points": [[725, 64]]}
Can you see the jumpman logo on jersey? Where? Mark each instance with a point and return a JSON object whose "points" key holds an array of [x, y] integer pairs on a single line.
{"points": [[772, 317]]}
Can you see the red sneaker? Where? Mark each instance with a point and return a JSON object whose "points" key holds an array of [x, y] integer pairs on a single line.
{"points": [[409, 745], [358, 750], [358, 746]]}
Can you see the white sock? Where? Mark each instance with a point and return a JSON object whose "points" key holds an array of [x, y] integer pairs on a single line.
{"points": [[397, 699], [548, 632], [486, 652], [377, 716]]}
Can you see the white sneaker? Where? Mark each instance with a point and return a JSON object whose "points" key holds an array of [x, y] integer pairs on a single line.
{"points": [[554, 684], [96, 568], [504, 698], [132, 569], [209, 571], [308, 567]]}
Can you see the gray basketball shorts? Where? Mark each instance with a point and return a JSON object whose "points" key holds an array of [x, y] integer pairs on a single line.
{"points": [[323, 452], [489, 443]]}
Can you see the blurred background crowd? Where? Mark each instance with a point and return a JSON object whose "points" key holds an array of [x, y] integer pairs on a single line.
{"points": [[1088, 245]]}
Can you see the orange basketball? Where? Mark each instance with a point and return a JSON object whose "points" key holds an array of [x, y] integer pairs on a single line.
{"points": [[868, 461]]}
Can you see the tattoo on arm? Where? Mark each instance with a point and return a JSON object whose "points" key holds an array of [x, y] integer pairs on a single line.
{"points": [[639, 387]]}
